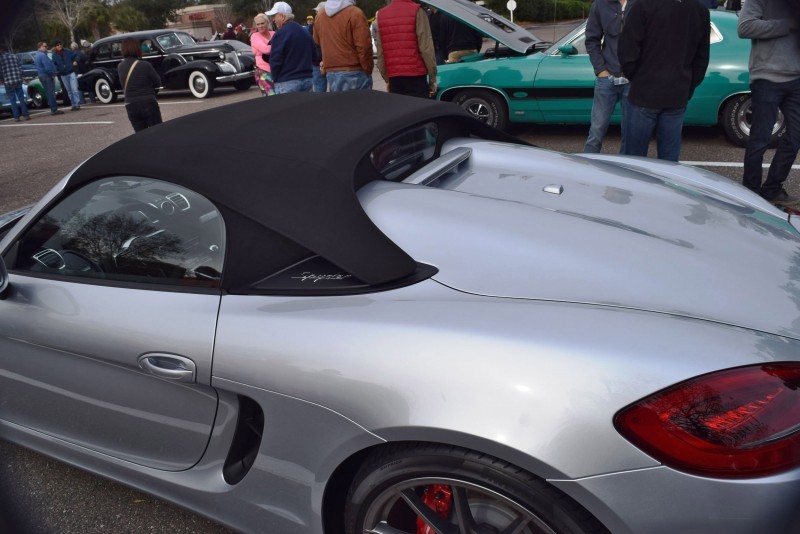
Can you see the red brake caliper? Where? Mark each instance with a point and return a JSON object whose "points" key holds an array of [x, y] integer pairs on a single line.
{"points": [[439, 498]]}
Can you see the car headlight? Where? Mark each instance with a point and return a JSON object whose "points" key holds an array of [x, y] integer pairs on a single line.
{"points": [[738, 423], [222, 56]]}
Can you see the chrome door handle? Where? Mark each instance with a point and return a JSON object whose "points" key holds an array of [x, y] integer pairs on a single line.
{"points": [[169, 366]]}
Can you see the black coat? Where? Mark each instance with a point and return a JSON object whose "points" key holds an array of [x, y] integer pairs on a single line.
{"points": [[664, 51]]}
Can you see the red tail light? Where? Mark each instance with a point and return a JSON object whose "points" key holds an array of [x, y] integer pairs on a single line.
{"points": [[742, 422]]}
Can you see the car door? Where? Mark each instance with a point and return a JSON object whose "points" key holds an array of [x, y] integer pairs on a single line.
{"points": [[564, 84], [107, 332], [153, 55]]}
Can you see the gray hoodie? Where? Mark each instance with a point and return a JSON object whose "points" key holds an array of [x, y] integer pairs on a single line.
{"points": [[332, 7], [773, 28]]}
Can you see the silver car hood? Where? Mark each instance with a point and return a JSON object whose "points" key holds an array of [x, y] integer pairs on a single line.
{"points": [[614, 231], [488, 23]]}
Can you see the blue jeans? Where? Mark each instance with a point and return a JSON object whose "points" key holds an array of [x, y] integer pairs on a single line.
{"points": [[606, 96], [639, 124], [320, 81], [70, 83], [303, 85], [49, 87], [348, 80], [16, 93], [766, 98]]}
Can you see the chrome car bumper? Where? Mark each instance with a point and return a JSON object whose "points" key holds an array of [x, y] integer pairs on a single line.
{"points": [[235, 77]]}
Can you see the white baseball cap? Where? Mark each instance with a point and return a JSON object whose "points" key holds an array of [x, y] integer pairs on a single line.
{"points": [[280, 7], [230, 25]]}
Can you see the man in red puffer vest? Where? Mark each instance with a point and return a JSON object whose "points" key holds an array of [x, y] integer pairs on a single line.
{"points": [[406, 58]]}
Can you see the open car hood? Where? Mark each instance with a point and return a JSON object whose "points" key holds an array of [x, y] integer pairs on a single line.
{"points": [[488, 23]]}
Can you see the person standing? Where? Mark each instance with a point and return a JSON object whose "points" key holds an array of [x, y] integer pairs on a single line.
{"points": [[65, 63], [406, 56], [259, 42], [139, 82], [610, 85], [319, 80], [459, 39], [292, 49], [436, 19], [342, 31], [663, 78], [241, 34], [46, 72], [229, 32], [82, 67], [772, 25], [11, 75]]}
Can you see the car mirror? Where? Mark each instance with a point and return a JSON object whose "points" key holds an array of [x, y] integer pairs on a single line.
{"points": [[567, 50], [4, 284]]}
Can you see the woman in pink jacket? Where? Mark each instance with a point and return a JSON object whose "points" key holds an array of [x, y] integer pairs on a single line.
{"points": [[259, 41]]}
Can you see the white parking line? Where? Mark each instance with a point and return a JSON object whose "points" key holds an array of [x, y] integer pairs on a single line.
{"points": [[160, 103], [20, 125], [726, 164]]}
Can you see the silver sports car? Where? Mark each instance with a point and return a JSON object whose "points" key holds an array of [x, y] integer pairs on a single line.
{"points": [[397, 319]]}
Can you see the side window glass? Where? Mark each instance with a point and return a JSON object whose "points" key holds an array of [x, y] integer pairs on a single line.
{"points": [[127, 229], [406, 152], [147, 46], [116, 50], [103, 52], [580, 44]]}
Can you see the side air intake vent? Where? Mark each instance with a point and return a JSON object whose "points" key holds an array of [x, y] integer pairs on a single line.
{"points": [[246, 441]]}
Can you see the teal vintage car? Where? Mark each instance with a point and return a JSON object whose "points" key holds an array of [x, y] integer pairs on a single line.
{"points": [[38, 96], [521, 80]]}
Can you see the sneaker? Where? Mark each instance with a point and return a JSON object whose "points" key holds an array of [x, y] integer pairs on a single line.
{"points": [[75, 108], [57, 112], [16, 120], [784, 200], [26, 117]]}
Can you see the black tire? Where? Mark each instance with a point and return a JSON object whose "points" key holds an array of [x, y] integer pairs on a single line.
{"points": [[485, 106], [244, 85], [737, 118], [491, 494], [200, 84], [37, 100], [104, 91]]}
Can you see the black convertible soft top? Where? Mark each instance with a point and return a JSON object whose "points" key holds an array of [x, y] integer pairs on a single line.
{"points": [[290, 164]]}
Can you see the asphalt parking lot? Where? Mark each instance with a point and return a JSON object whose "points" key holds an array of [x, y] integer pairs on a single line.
{"points": [[47, 496]]}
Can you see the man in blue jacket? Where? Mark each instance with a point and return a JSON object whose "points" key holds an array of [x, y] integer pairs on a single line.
{"points": [[65, 62], [774, 28], [292, 48], [47, 73], [610, 86]]}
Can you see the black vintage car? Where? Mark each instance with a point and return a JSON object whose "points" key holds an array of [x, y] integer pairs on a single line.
{"points": [[181, 62]]}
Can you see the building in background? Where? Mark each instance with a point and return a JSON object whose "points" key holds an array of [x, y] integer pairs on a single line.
{"points": [[202, 21]]}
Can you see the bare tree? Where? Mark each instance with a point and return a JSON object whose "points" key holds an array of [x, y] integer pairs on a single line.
{"points": [[223, 14], [70, 13]]}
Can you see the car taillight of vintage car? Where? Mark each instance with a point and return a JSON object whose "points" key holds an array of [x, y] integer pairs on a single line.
{"points": [[737, 423]]}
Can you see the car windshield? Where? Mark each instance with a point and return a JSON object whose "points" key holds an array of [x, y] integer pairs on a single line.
{"points": [[174, 40], [567, 39]]}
